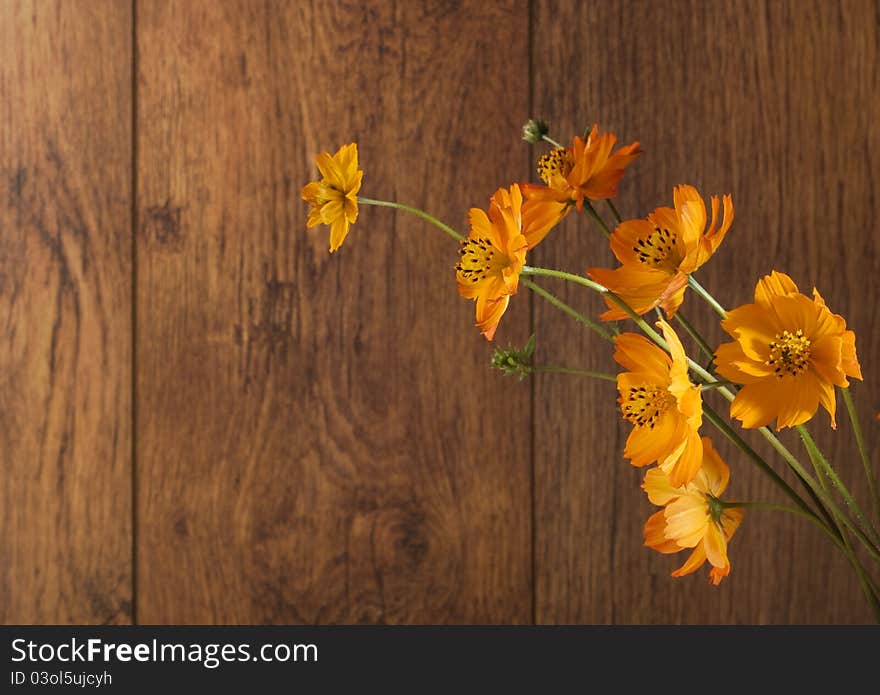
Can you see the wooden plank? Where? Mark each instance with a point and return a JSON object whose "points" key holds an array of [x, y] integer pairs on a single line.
{"points": [[770, 102], [320, 439], [65, 312]]}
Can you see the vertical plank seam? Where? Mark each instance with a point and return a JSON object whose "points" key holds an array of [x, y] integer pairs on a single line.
{"points": [[532, 386], [134, 276]]}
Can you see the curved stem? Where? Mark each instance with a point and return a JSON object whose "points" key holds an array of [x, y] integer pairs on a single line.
{"points": [[863, 450], [548, 139], [790, 510], [589, 206], [415, 211], [698, 288], [562, 306], [579, 372], [741, 444]]}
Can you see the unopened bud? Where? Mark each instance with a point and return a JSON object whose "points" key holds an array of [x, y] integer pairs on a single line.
{"points": [[535, 130]]}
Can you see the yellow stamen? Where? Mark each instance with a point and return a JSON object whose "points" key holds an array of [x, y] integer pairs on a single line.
{"points": [[642, 405], [555, 163], [789, 353], [479, 260]]}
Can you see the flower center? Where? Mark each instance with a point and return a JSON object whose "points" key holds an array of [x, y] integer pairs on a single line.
{"points": [[555, 163], [655, 248], [789, 353], [644, 404], [479, 260]]}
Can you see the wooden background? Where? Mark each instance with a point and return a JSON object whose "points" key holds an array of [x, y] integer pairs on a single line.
{"points": [[205, 418]]}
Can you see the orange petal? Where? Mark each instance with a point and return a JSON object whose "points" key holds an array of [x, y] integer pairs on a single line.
{"points": [[693, 563], [638, 354], [774, 285], [757, 404], [654, 534]]}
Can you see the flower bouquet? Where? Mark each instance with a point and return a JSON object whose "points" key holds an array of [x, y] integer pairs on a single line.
{"points": [[787, 355]]}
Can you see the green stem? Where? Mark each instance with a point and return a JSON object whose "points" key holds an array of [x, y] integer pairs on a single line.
{"points": [[789, 458], [863, 450], [415, 211], [698, 288], [614, 210], [790, 510], [562, 306], [580, 372], [595, 215], [596, 287], [692, 332], [716, 385], [819, 460], [547, 138], [743, 446]]}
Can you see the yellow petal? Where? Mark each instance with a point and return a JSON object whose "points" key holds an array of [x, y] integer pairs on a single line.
{"points": [[338, 232], [687, 519], [660, 490]]}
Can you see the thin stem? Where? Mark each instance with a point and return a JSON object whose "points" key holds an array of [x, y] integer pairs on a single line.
{"points": [[790, 510], [818, 458], [698, 288], [868, 586], [596, 216], [723, 390], [579, 372], [415, 211], [716, 385], [562, 306], [863, 450], [547, 138], [743, 446], [614, 210], [693, 333]]}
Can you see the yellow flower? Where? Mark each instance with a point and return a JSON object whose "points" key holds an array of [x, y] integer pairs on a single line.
{"points": [[693, 516], [334, 197], [492, 256], [658, 253], [790, 352], [664, 407]]}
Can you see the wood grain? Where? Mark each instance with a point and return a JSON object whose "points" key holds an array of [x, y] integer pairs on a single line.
{"points": [[319, 439], [65, 312], [771, 102]]}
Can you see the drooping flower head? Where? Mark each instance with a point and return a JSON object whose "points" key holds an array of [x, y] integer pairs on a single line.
{"points": [[789, 352], [334, 197], [586, 170], [693, 516], [666, 410], [658, 253]]}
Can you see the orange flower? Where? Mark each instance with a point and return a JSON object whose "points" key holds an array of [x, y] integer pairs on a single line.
{"points": [[334, 197], [658, 253], [693, 516], [588, 169], [494, 253], [664, 407], [790, 352]]}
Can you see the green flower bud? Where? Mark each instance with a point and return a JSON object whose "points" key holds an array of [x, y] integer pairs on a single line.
{"points": [[515, 361], [535, 130]]}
